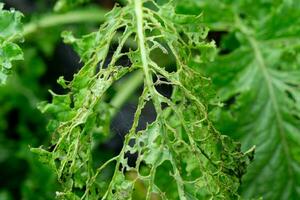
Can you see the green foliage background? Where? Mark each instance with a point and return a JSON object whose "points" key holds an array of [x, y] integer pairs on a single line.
{"points": [[256, 76]]}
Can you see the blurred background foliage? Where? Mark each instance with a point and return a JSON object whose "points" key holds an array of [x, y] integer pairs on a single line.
{"points": [[22, 125]]}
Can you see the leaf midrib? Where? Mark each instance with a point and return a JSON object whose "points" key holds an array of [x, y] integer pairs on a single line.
{"points": [[262, 66], [138, 8], [264, 69]]}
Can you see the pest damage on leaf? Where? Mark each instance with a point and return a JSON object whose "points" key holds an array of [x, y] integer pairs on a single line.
{"points": [[150, 100]]}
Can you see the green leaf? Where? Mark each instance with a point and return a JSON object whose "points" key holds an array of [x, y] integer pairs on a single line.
{"points": [[259, 81], [203, 163], [10, 30]]}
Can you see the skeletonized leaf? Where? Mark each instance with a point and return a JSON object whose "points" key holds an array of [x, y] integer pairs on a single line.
{"points": [[182, 144]]}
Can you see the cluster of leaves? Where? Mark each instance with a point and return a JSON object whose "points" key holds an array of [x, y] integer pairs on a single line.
{"points": [[22, 175], [196, 160], [21, 123], [10, 31], [257, 75]]}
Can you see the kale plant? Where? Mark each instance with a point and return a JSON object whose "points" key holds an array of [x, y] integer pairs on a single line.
{"points": [[182, 143], [246, 88]]}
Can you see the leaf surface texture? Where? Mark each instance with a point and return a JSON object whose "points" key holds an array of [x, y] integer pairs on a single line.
{"points": [[181, 144]]}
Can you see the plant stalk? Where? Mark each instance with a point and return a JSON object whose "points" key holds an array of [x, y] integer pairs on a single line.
{"points": [[77, 16]]}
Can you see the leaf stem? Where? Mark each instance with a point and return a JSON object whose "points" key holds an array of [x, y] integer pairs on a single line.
{"points": [[141, 42], [77, 16]]}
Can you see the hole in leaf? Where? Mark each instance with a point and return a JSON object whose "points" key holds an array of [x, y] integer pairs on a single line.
{"points": [[163, 86], [131, 159]]}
